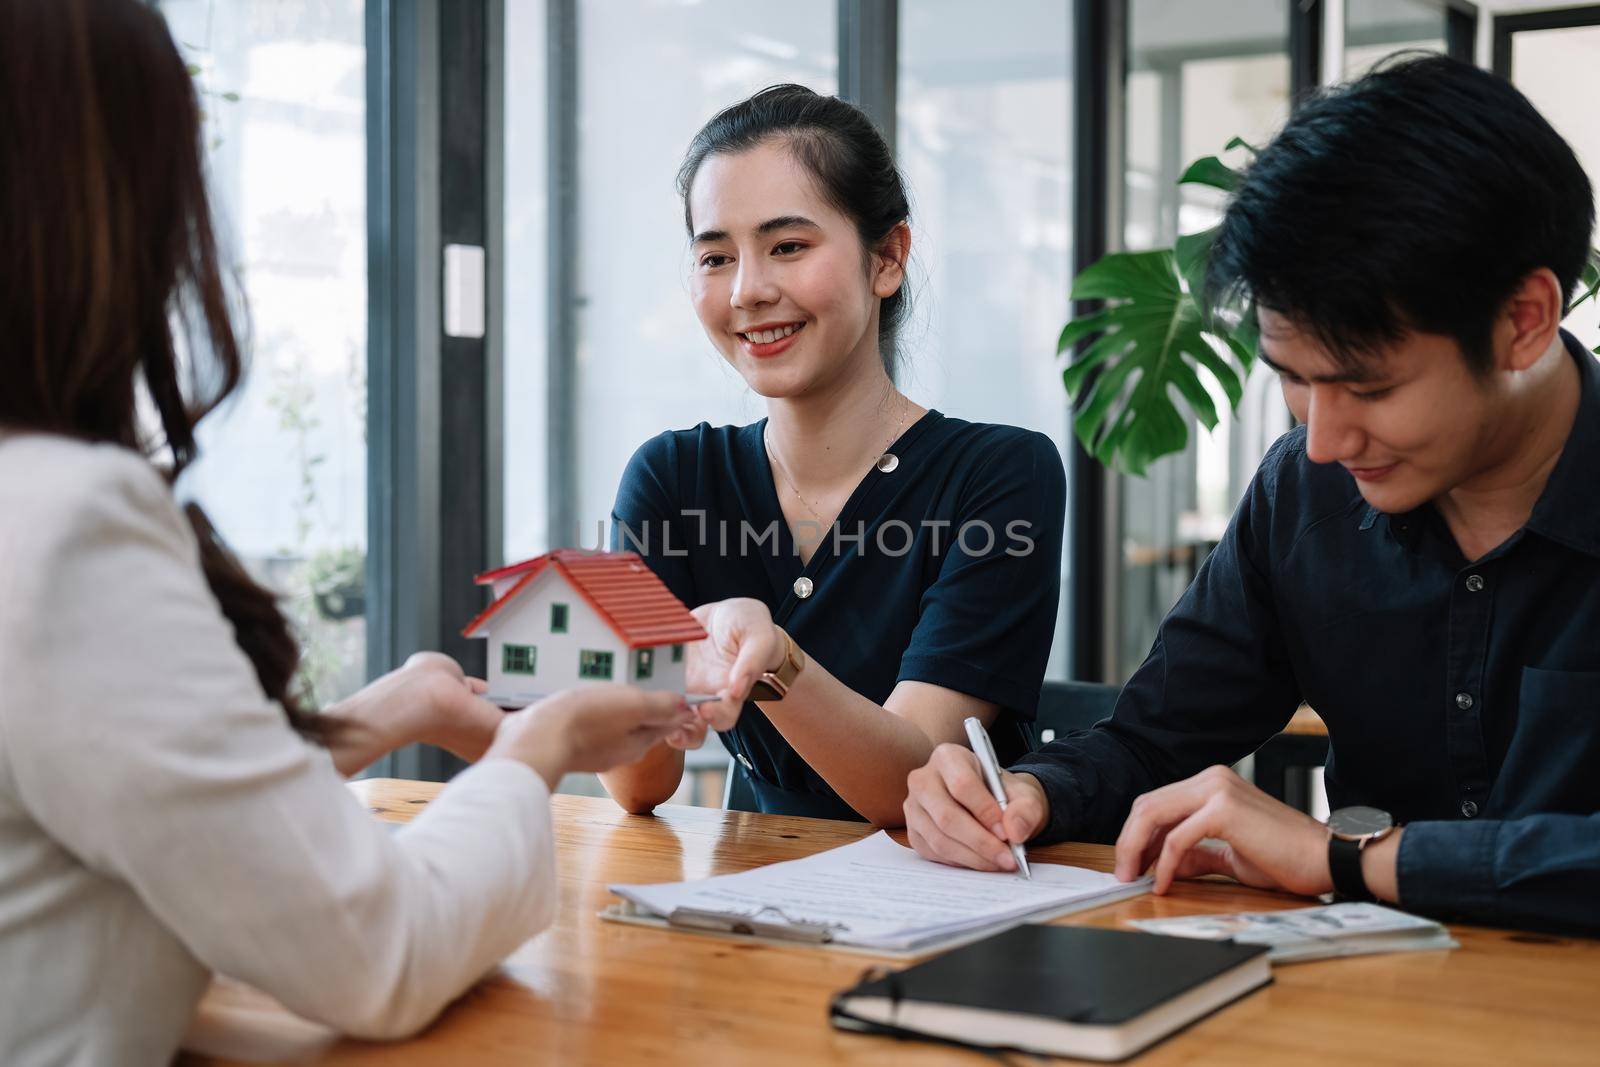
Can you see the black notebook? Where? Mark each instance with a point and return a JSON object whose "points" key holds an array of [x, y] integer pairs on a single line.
{"points": [[1059, 990]]}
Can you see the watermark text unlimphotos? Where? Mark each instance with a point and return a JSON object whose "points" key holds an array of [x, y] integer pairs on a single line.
{"points": [[895, 538]]}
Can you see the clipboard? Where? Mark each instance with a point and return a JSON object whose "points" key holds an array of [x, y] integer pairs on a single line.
{"points": [[772, 928]]}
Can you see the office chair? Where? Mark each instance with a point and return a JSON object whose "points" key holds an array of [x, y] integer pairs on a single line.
{"points": [[1068, 706]]}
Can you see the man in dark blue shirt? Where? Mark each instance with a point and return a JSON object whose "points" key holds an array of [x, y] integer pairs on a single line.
{"points": [[1419, 560]]}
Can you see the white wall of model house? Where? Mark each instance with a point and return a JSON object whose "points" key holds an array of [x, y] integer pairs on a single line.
{"points": [[526, 621]]}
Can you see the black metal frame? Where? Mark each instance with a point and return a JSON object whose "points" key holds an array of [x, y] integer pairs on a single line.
{"points": [[403, 330], [1305, 49], [561, 273], [1505, 27], [431, 507], [1099, 33], [1461, 31], [464, 394], [869, 50]]}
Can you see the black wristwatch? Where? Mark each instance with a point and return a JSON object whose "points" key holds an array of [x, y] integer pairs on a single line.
{"points": [[1349, 831]]}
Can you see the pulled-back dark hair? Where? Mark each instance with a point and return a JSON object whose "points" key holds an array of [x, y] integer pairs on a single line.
{"points": [[843, 151], [105, 241], [1417, 197]]}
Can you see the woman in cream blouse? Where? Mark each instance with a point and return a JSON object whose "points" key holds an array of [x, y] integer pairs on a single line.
{"points": [[166, 809]]}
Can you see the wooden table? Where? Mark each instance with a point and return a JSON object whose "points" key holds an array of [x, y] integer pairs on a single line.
{"points": [[588, 991]]}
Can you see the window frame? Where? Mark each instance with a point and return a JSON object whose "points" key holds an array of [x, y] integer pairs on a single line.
{"points": [[433, 511], [596, 665], [531, 653], [1504, 27]]}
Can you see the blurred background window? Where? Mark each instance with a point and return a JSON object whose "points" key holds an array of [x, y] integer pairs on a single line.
{"points": [[650, 73], [1200, 72], [1374, 29], [985, 141], [1556, 62], [283, 468]]}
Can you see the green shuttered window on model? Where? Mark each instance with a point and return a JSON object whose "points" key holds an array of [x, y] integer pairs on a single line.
{"points": [[592, 664]]}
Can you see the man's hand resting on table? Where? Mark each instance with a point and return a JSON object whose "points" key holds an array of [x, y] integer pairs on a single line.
{"points": [[1218, 823]]}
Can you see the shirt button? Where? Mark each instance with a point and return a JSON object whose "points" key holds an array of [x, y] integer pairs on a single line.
{"points": [[1468, 809], [744, 761], [1464, 701], [1474, 583], [888, 462], [802, 587]]}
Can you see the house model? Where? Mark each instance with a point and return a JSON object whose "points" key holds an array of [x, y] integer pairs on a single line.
{"points": [[570, 617]]}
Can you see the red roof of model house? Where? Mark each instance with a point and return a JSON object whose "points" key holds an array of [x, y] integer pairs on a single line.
{"points": [[624, 592]]}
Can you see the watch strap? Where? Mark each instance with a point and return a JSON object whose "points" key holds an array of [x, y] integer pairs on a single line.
{"points": [[1344, 864], [774, 684]]}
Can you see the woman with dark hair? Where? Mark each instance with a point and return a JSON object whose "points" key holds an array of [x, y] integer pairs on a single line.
{"points": [[877, 572], [167, 808]]}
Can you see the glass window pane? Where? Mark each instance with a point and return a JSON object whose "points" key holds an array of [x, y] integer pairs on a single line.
{"points": [[985, 135], [524, 250], [650, 74], [1559, 70], [283, 473], [1199, 74], [1374, 29]]}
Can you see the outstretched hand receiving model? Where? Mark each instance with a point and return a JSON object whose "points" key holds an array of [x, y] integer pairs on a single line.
{"points": [[742, 642]]}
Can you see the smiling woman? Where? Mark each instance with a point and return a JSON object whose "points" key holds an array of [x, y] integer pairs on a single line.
{"points": [[885, 570]]}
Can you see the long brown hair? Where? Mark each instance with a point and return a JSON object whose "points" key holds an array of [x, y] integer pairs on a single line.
{"points": [[108, 261]]}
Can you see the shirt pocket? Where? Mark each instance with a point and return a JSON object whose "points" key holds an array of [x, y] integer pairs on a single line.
{"points": [[1555, 752]]}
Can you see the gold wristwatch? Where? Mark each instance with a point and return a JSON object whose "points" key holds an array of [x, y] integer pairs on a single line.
{"points": [[774, 684]]}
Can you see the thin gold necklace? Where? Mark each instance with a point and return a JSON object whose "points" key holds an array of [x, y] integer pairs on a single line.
{"points": [[880, 463]]}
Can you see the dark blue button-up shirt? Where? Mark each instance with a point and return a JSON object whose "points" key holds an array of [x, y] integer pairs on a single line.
{"points": [[1462, 697]]}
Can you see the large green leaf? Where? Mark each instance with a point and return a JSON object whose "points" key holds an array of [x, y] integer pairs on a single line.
{"points": [[1150, 340], [1209, 170], [1589, 280]]}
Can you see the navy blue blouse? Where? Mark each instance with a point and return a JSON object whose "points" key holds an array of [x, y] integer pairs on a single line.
{"points": [[944, 570]]}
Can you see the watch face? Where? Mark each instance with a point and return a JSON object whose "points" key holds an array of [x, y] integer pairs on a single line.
{"points": [[1359, 821]]}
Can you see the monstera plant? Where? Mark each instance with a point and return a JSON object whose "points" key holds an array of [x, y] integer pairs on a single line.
{"points": [[1155, 338]]}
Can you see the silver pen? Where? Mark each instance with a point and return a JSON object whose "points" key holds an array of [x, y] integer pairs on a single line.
{"points": [[979, 739]]}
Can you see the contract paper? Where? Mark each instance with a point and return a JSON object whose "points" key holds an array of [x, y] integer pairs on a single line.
{"points": [[878, 894]]}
